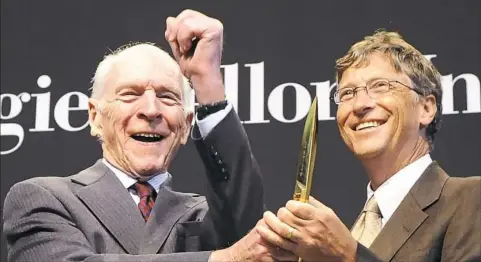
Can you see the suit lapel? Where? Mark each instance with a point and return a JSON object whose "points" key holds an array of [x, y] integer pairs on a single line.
{"points": [[405, 220], [112, 204], [410, 213], [169, 207]]}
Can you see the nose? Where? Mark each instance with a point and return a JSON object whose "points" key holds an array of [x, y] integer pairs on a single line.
{"points": [[150, 106], [362, 103]]}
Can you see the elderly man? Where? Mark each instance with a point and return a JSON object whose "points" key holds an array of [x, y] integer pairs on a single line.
{"points": [[122, 207], [389, 103]]}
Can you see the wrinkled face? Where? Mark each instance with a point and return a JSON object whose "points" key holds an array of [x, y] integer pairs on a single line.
{"points": [[373, 127], [140, 116]]}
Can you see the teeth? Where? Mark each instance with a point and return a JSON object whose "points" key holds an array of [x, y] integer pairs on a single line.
{"points": [[148, 135], [367, 124]]}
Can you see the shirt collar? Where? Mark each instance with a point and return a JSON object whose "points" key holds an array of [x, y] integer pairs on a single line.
{"points": [[390, 194], [126, 180]]}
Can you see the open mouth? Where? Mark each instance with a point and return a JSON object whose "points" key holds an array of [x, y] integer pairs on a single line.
{"points": [[147, 137], [368, 125]]}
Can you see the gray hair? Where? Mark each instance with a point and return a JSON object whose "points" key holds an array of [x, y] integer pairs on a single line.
{"points": [[404, 58], [104, 67]]}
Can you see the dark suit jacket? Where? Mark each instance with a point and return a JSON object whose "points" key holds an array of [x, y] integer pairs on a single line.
{"points": [[438, 220], [90, 216]]}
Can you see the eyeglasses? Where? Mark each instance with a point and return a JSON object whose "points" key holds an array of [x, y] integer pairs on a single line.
{"points": [[373, 89]]}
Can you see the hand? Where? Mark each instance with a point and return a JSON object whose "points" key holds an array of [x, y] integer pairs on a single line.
{"points": [[203, 66], [252, 248], [317, 234]]}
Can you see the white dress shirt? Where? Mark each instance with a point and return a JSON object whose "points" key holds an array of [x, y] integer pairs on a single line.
{"points": [[205, 126], [209, 122], [390, 194]]}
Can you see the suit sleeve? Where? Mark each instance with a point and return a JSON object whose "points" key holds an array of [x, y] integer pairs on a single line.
{"points": [[39, 228], [462, 241], [363, 254], [236, 197]]}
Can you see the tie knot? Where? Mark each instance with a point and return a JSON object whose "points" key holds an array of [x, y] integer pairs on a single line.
{"points": [[144, 189], [372, 206]]}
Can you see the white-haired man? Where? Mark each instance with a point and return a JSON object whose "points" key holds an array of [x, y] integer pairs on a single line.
{"points": [[122, 208]]}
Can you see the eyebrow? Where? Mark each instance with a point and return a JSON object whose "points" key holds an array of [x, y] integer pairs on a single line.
{"points": [[156, 88], [350, 85], [135, 86]]}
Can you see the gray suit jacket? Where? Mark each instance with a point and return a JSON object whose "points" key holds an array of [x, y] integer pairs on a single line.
{"points": [[90, 216], [439, 220]]}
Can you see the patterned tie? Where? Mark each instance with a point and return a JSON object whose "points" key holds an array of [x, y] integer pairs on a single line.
{"points": [[147, 196], [368, 225]]}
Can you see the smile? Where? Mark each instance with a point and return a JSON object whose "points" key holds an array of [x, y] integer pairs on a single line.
{"points": [[147, 137], [368, 124]]}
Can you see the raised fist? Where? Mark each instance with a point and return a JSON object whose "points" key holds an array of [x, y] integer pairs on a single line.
{"points": [[196, 42]]}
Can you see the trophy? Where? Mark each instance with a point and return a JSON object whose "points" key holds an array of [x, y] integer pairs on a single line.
{"points": [[307, 156]]}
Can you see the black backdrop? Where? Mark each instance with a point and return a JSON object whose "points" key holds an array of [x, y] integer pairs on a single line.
{"points": [[277, 55]]}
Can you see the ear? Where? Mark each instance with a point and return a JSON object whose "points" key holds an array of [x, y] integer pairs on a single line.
{"points": [[94, 118], [428, 110], [188, 124]]}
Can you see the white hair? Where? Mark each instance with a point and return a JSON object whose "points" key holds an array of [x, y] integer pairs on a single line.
{"points": [[104, 67]]}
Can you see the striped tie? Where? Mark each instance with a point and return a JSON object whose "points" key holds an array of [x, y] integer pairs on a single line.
{"points": [[147, 196], [368, 225]]}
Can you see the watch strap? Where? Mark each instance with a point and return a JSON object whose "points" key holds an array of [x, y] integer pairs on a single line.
{"points": [[204, 110]]}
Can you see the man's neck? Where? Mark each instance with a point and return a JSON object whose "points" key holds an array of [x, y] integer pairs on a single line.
{"points": [[382, 167]]}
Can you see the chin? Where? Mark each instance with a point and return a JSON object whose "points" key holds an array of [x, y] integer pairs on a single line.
{"points": [[367, 151], [149, 170], [148, 166], [365, 155]]}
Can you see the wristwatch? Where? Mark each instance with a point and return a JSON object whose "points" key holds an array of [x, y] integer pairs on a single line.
{"points": [[204, 110]]}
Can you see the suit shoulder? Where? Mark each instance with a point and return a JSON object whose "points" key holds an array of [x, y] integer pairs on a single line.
{"points": [[53, 184], [468, 188], [46, 182], [473, 182]]}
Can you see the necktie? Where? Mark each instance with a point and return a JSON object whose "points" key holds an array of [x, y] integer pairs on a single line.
{"points": [[147, 196], [368, 225]]}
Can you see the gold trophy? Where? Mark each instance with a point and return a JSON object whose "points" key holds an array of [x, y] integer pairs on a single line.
{"points": [[307, 156]]}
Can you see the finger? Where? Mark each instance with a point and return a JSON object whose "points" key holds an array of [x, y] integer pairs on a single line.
{"points": [[274, 239], [290, 219], [171, 28], [166, 33], [316, 203], [189, 13], [261, 222], [280, 254], [301, 210], [188, 29], [171, 35], [180, 20], [175, 49], [281, 228]]}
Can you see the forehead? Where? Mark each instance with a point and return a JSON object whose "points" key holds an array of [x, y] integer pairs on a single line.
{"points": [[144, 67], [375, 66]]}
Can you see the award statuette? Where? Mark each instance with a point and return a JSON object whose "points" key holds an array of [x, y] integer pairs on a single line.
{"points": [[307, 156]]}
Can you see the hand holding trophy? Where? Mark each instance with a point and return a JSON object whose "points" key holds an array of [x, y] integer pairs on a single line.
{"points": [[305, 226]]}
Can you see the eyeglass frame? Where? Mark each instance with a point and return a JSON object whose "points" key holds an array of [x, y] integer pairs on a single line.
{"points": [[365, 87]]}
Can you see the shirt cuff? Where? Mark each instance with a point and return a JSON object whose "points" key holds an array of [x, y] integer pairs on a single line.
{"points": [[211, 121]]}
